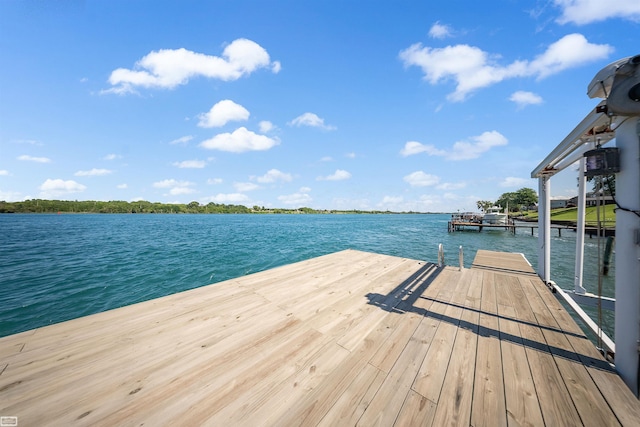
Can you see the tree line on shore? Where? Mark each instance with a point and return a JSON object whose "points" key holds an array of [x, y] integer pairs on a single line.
{"points": [[516, 201], [119, 206]]}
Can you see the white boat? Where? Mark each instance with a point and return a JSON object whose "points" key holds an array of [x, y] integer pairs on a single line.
{"points": [[494, 215]]}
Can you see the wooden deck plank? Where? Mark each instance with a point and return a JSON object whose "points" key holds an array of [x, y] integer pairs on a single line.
{"points": [[521, 399], [417, 410], [377, 301], [306, 407], [343, 339], [388, 353], [156, 340], [336, 317], [512, 263], [445, 311], [70, 351], [266, 404], [390, 398], [156, 375], [625, 406], [213, 384], [329, 298], [386, 404], [279, 289], [355, 399], [591, 405], [555, 400], [489, 395], [348, 379], [456, 397]]}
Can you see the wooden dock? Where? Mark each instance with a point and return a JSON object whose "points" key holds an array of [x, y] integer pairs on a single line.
{"points": [[350, 338], [464, 225], [514, 226]]}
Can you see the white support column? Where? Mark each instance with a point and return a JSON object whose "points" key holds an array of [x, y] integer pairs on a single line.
{"points": [[544, 228], [582, 192], [627, 322], [541, 212]]}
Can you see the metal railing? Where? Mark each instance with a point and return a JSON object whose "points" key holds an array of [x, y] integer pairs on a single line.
{"points": [[441, 257]]}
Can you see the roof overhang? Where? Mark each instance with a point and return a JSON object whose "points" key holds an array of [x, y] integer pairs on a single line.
{"points": [[594, 128]]}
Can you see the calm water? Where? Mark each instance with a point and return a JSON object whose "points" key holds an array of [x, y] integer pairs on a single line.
{"points": [[58, 267]]}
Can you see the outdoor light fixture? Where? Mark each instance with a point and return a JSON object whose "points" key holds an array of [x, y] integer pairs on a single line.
{"points": [[602, 161]]}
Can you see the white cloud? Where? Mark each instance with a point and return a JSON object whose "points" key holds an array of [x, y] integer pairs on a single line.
{"points": [[311, 120], [190, 164], [27, 158], [112, 157], [465, 150], [440, 31], [168, 68], [523, 98], [214, 181], [338, 175], [167, 183], [181, 140], [461, 150], [170, 183], [176, 191], [228, 198], [351, 155], [175, 187], [4, 172], [222, 113], [242, 187], [414, 147], [472, 68], [391, 200], [274, 175], [12, 196], [326, 159], [122, 186], [266, 126], [451, 186], [304, 190], [583, 12], [59, 187], [425, 203], [301, 198], [239, 141], [570, 51], [512, 181], [421, 179], [93, 172]]}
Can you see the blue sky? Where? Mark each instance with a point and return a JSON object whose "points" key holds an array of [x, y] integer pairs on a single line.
{"points": [[404, 105]]}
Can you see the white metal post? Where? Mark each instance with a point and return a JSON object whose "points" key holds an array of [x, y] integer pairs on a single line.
{"points": [[541, 208], [582, 192], [627, 322], [544, 228]]}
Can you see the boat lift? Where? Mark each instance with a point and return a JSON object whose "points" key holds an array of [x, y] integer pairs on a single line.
{"points": [[617, 117]]}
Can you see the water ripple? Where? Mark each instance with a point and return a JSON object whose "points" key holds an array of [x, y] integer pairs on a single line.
{"points": [[58, 267]]}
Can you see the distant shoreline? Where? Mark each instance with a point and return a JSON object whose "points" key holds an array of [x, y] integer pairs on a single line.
{"points": [[41, 206]]}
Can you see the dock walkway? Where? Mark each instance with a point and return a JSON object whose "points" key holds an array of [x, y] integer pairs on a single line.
{"points": [[350, 338], [591, 231]]}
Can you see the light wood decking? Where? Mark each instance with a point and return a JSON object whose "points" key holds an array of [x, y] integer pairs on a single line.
{"points": [[350, 338]]}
